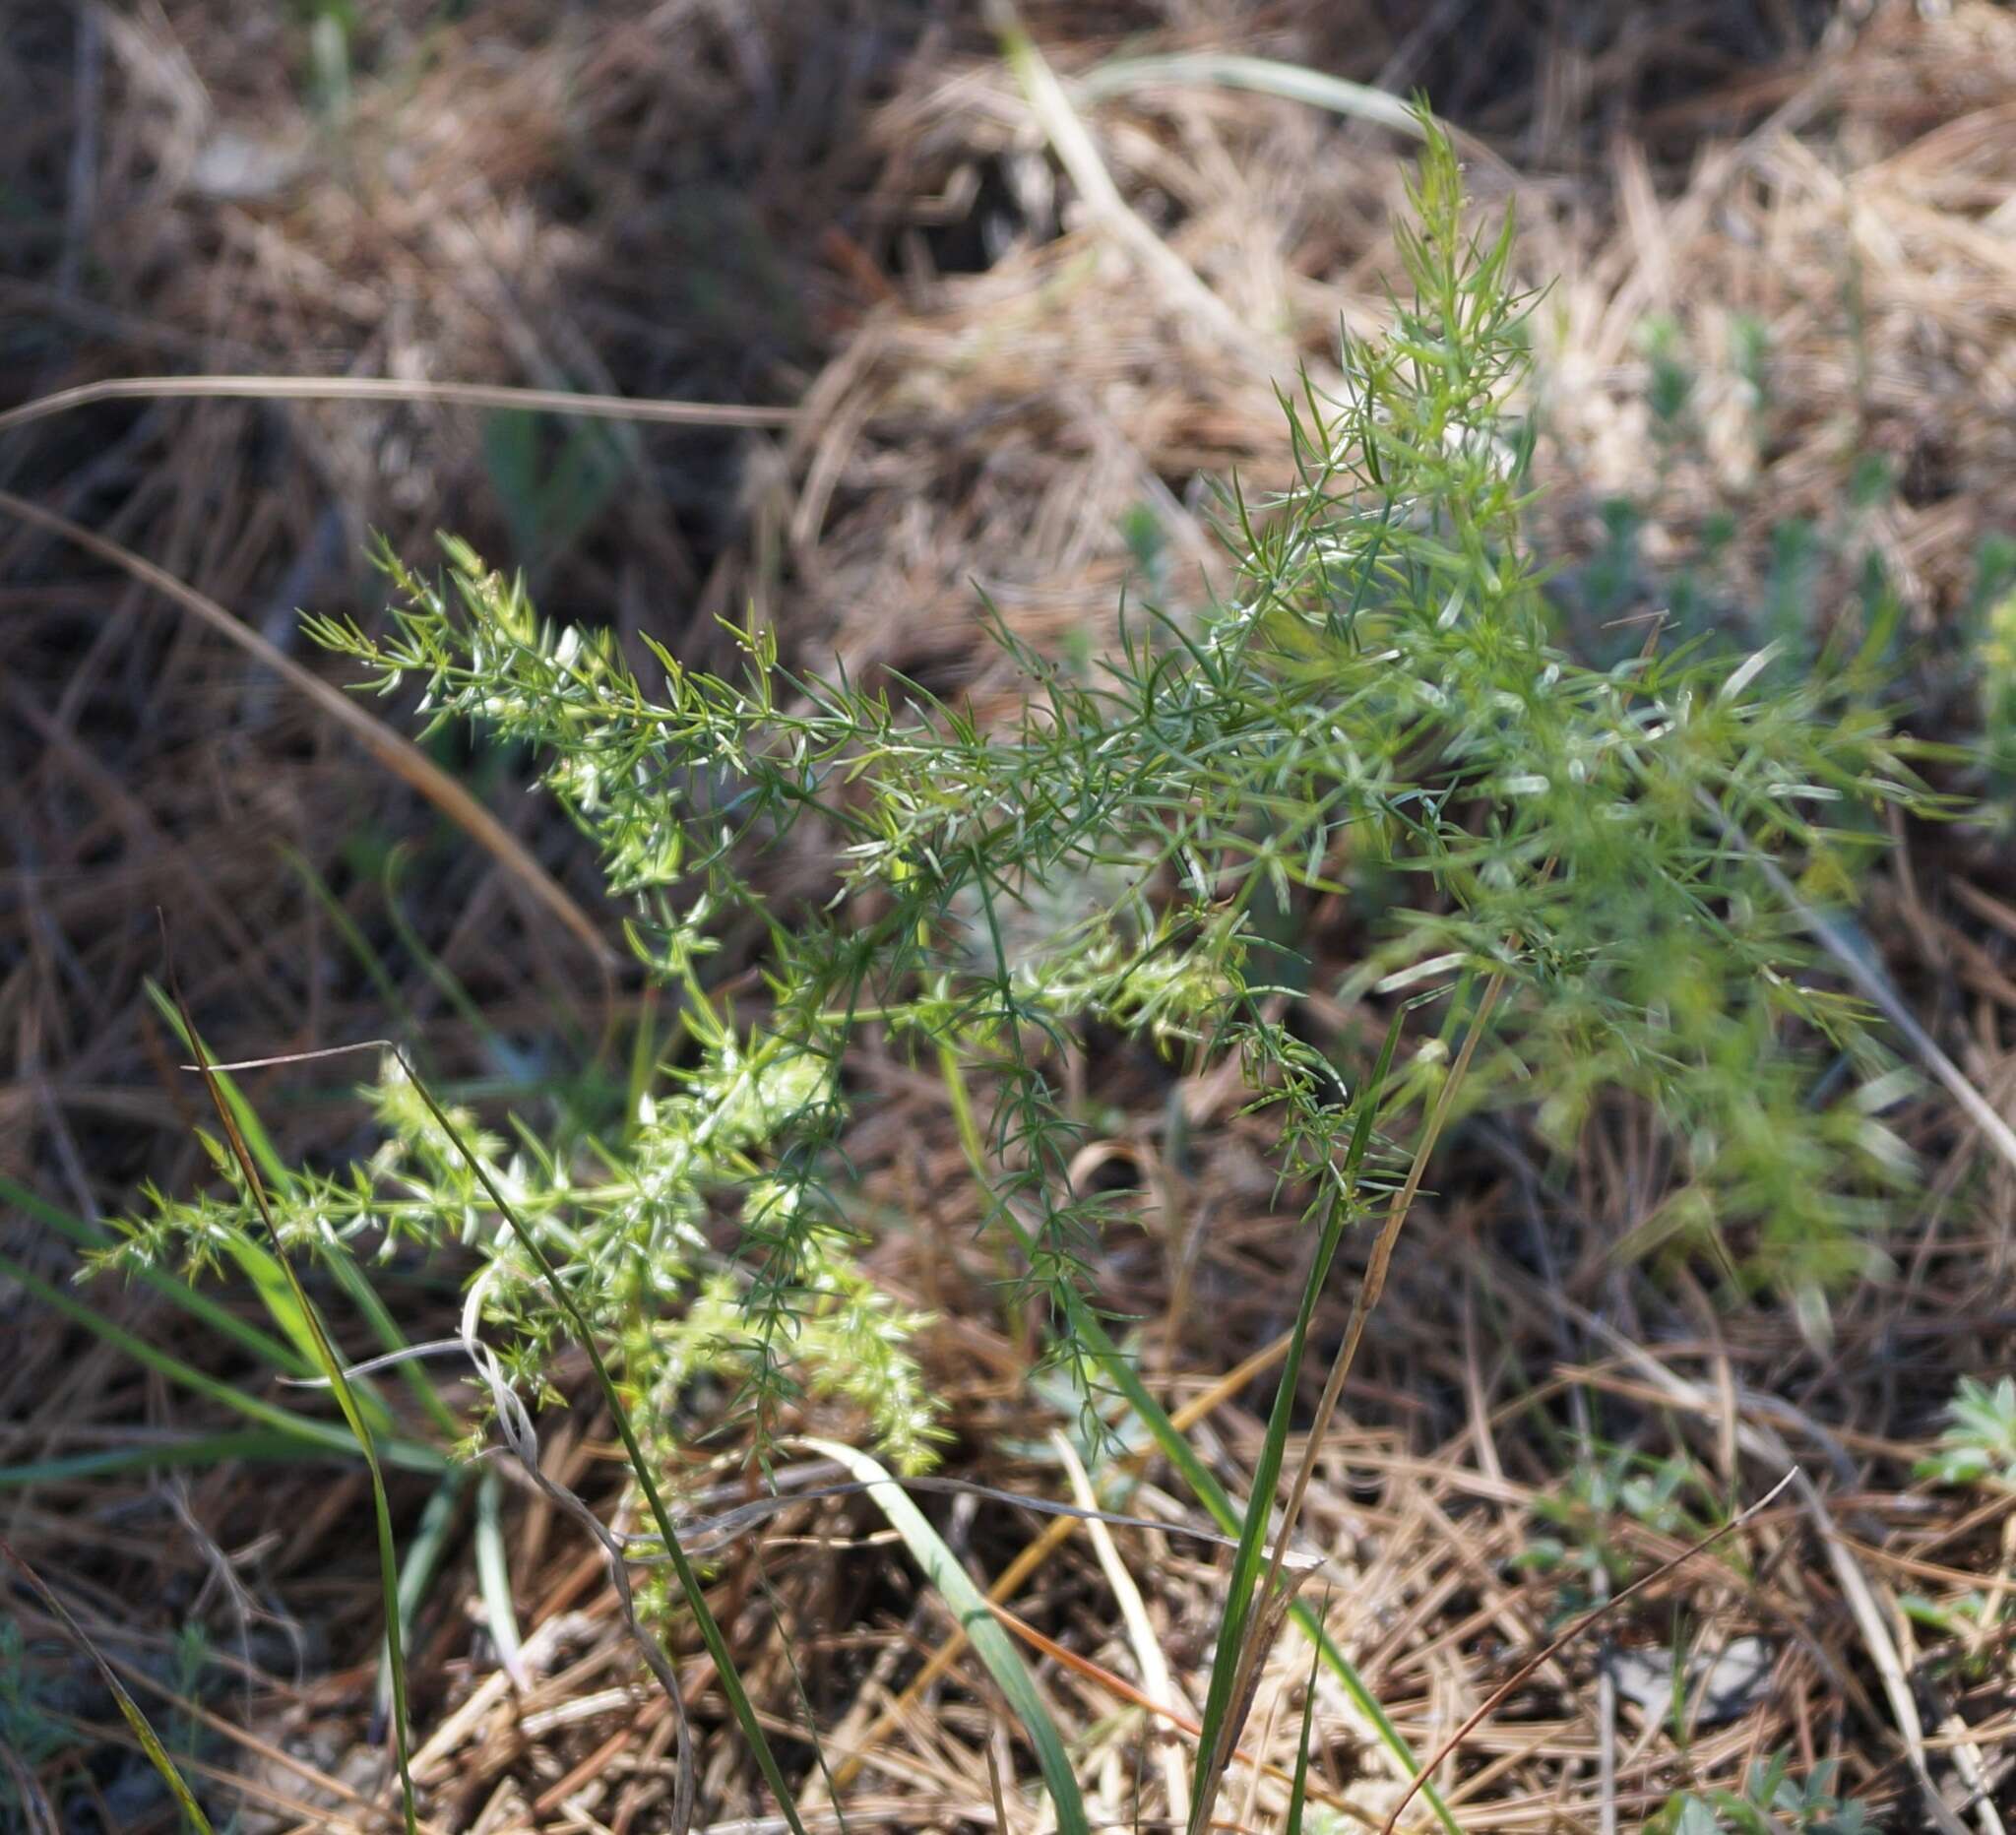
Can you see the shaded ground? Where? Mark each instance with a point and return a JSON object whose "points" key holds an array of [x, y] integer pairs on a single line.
{"points": [[1783, 327]]}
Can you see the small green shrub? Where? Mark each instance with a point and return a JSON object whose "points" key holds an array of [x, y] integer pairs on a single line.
{"points": [[1771, 1802], [1381, 708], [1577, 1536], [1978, 1445], [1977, 1449]]}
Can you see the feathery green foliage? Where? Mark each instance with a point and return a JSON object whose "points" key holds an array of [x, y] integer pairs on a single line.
{"points": [[1380, 708], [1381, 704]]}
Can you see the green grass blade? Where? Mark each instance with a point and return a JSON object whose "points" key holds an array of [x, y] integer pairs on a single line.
{"points": [[1299, 1791], [273, 1281], [1220, 1731], [158, 1754], [1177, 1450], [193, 1449], [265, 1155], [942, 1568], [1221, 1723], [1207, 1490], [273, 1277], [323, 1436], [388, 1584], [330, 1366], [85, 1235], [424, 1551], [423, 1554], [354, 1283]]}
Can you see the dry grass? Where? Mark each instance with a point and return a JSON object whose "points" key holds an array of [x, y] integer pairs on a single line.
{"points": [[845, 208]]}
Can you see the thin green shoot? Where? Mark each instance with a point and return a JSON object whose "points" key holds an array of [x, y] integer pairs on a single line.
{"points": [[330, 1366], [1116, 1367], [129, 1709]]}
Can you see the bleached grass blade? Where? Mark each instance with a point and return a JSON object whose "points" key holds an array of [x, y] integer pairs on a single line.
{"points": [[1080, 158], [1156, 1679], [1268, 76], [493, 1577], [977, 1619], [1265, 75]]}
